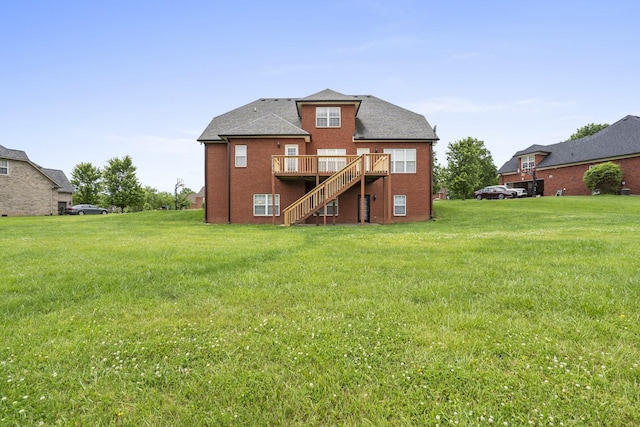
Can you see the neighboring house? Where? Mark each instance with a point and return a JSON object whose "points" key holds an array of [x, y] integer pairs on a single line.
{"points": [[558, 169], [196, 199], [328, 157], [28, 189]]}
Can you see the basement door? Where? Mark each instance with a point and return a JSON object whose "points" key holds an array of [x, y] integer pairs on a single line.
{"points": [[367, 207]]}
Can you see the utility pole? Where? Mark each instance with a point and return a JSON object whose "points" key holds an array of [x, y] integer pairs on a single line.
{"points": [[179, 184]]}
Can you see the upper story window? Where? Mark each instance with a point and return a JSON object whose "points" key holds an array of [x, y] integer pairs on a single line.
{"points": [[528, 162], [4, 167], [328, 117], [331, 164], [403, 160], [241, 156]]}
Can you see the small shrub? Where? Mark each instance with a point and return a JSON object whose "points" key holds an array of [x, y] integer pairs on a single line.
{"points": [[604, 178]]}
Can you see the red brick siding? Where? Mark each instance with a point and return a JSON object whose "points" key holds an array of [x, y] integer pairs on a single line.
{"points": [[216, 199], [569, 178], [256, 178], [341, 137]]}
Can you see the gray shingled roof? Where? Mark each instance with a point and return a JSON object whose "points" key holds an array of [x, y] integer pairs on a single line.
{"points": [[60, 178], [620, 139], [55, 175], [6, 153], [271, 124], [376, 119]]}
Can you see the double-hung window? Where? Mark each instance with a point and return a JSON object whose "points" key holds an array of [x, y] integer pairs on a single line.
{"points": [[328, 117], [331, 210], [263, 205], [528, 162], [399, 205], [403, 160], [331, 164], [4, 167], [241, 156]]}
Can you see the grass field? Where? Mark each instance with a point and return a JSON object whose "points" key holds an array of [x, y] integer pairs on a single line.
{"points": [[511, 313]]}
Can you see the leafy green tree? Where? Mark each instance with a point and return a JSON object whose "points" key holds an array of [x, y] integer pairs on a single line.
{"points": [[438, 175], [605, 178], [587, 130], [121, 184], [182, 199], [155, 200], [87, 183], [470, 166]]}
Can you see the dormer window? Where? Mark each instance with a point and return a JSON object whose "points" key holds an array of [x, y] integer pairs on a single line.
{"points": [[528, 162], [328, 117]]}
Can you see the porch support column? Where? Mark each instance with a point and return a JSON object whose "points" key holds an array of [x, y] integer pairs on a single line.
{"points": [[273, 194], [389, 206], [384, 200], [362, 199]]}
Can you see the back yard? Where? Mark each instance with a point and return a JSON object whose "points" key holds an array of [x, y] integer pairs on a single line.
{"points": [[510, 313]]}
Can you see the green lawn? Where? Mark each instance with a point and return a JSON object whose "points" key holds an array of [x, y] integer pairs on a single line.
{"points": [[510, 313]]}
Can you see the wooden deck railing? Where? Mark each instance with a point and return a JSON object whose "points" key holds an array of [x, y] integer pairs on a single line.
{"points": [[326, 165], [331, 188]]}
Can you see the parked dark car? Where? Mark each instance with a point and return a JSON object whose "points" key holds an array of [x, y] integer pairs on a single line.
{"points": [[495, 192], [85, 209]]}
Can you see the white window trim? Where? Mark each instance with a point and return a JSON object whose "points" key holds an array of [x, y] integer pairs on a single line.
{"points": [[331, 116], [397, 205], [402, 152], [240, 156], [328, 164], [528, 162], [291, 165], [331, 206], [268, 204], [4, 165]]}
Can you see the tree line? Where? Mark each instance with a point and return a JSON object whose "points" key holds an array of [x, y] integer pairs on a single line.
{"points": [[117, 186]]}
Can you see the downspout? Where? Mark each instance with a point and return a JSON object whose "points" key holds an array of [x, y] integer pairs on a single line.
{"points": [[206, 182], [431, 180], [51, 203], [228, 182]]}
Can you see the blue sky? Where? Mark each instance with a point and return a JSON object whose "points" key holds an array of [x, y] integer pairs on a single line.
{"points": [[86, 81]]}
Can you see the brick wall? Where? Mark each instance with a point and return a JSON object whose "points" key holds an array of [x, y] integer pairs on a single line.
{"points": [[256, 177], [569, 178], [26, 191]]}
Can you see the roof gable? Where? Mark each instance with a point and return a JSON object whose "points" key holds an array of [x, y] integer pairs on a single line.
{"points": [[620, 139], [269, 125], [56, 176], [7, 153], [376, 119]]}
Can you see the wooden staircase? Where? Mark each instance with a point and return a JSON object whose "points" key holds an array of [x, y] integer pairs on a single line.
{"points": [[324, 193]]}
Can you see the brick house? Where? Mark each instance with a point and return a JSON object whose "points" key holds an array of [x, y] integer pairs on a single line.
{"points": [[558, 169], [28, 189], [326, 158]]}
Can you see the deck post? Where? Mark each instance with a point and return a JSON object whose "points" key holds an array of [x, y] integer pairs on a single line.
{"points": [[362, 197], [273, 194]]}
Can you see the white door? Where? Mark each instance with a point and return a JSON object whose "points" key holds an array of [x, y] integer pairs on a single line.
{"points": [[291, 165], [328, 164], [360, 152]]}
